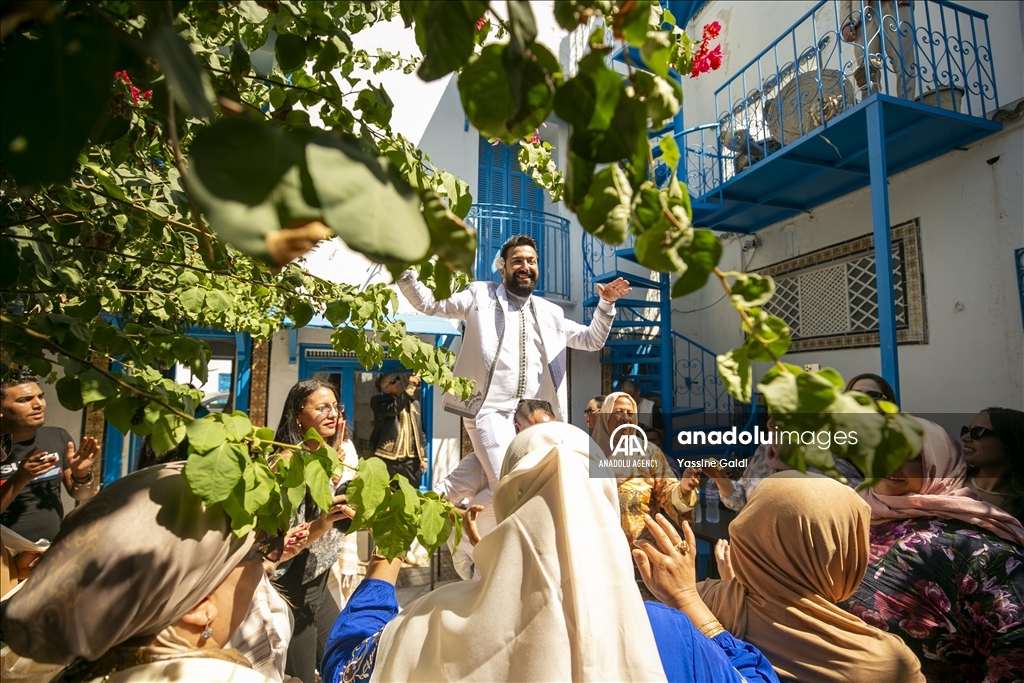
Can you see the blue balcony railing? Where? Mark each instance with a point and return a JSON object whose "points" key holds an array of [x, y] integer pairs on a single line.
{"points": [[495, 223], [932, 52]]}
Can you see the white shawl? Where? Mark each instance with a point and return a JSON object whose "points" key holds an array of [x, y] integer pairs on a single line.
{"points": [[556, 600]]}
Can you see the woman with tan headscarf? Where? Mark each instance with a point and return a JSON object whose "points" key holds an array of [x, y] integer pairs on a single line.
{"points": [[799, 546], [647, 489], [143, 582], [543, 609], [946, 571]]}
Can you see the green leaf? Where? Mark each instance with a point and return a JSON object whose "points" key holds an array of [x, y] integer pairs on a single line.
{"points": [[394, 530], [445, 32], [251, 11], [658, 248], [656, 51], [337, 312], [122, 411], [750, 290], [662, 97], [632, 23], [218, 301], [701, 258], [780, 390], [734, 367], [185, 76], [375, 104], [205, 434], [452, 241], [237, 425], [669, 152], [578, 178], [69, 393], [767, 331], [66, 72], [168, 431], [604, 212], [96, 387], [214, 475], [524, 26], [318, 479], [433, 521], [192, 300], [290, 50], [366, 202], [367, 491], [301, 313]]}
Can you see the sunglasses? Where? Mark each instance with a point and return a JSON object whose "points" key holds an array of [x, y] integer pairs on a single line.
{"points": [[875, 395], [591, 411], [976, 432], [394, 380]]}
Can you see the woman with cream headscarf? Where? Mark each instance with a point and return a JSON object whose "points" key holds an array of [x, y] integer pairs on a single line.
{"points": [[648, 489], [543, 610], [799, 546], [946, 571], [143, 582]]}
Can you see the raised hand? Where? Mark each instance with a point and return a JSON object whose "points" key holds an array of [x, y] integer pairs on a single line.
{"points": [[724, 560], [614, 290], [80, 462], [35, 464]]}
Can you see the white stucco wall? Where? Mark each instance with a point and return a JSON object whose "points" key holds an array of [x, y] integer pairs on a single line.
{"points": [[970, 215]]}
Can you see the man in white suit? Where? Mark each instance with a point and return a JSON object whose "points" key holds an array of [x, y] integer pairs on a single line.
{"points": [[513, 346]]}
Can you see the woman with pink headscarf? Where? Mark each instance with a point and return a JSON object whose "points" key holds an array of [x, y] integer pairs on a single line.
{"points": [[946, 571]]}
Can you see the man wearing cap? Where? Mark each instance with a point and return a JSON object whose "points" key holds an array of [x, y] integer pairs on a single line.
{"points": [[513, 346]]}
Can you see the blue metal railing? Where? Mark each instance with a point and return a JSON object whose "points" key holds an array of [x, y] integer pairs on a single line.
{"points": [[933, 52], [1019, 255], [496, 223], [697, 382]]}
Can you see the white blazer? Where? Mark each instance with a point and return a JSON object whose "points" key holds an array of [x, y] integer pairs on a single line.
{"points": [[481, 305]]}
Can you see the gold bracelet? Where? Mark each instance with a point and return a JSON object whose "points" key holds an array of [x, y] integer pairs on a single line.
{"points": [[712, 620], [713, 631]]}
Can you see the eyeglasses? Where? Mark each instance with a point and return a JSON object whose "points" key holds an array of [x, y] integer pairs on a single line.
{"points": [[394, 380], [976, 432], [328, 408], [591, 411], [874, 395]]}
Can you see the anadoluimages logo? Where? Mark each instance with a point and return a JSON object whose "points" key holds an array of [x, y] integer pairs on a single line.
{"points": [[631, 443]]}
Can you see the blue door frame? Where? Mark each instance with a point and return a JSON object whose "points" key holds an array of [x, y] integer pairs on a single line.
{"points": [[347, 368], [113, 440]]}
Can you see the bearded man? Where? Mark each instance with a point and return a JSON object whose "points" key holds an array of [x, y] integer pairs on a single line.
{"points": [[513, 346]]}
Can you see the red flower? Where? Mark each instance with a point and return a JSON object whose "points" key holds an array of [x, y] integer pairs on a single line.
{"points": [[715, 57], [481, 22], [711, 31], [135, 93], [146, 94]]}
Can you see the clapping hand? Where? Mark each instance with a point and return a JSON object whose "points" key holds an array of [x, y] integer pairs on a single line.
{"points": [[668, 566], [80, 462], [724, 560], [614, 290]]}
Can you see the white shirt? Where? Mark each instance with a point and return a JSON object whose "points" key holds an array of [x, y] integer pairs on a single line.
{"points": [[520, 359]]}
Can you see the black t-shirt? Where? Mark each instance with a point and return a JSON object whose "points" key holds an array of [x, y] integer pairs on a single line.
{"points": [[37, 511]]}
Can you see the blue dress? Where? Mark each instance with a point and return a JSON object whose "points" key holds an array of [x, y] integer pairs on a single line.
{"points": [[686, 655]]}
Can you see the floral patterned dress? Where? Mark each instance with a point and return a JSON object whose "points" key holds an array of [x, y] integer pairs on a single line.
{"points": [[953, 592]]}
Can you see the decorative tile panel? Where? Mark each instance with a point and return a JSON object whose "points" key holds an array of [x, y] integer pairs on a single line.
{"points": [[829, 296]]}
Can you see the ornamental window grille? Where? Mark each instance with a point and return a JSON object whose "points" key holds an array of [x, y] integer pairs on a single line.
{"points": [[829, 297]]}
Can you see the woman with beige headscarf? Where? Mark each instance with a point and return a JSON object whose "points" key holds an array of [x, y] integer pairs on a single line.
{"points": [[143, 582], [543, 609], [647, 489], [799, 546]]}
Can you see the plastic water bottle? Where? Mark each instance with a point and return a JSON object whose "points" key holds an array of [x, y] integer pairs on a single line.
{"points": [[711, 496], [697, 507]]}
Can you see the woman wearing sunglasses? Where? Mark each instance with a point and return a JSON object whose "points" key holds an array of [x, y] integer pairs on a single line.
{"points": [[994, 451], [946, 571], [874, 386]]}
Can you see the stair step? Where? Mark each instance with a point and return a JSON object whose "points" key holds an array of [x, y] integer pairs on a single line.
{"points": [[624, 303], [634, 342], [635, 281], [628, 254], [618, 324], [631, 359]]}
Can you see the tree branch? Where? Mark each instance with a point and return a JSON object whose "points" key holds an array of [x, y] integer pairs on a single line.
{"points": [[61, 351]]}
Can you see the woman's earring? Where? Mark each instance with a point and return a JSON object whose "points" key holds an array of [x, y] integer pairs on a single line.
{"points": [[207, 632]]}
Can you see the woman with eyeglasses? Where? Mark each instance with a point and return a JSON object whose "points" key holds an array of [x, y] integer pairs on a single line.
{"points": [[946, 570], [313, 404], [994, 451]]}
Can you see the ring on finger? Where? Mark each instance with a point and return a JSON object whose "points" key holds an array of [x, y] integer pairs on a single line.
{"points": [[682, 547]]}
